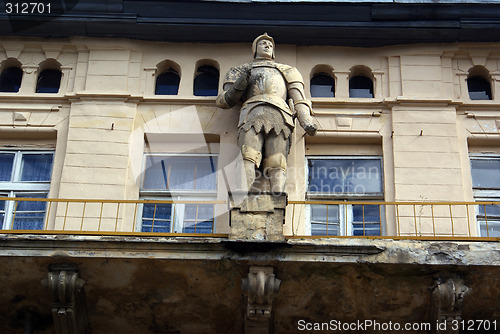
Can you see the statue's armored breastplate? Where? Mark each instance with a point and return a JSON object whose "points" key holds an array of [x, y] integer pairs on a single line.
{"points": [[266, 80]]}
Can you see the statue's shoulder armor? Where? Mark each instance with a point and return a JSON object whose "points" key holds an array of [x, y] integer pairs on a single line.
{"points": [[234, 73], [290, 73]]}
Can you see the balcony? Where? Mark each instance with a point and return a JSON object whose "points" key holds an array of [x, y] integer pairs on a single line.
{"points": [[173, 276], [466, 221]]}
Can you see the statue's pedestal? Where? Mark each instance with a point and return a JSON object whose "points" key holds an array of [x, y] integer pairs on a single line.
{"points": [[257, 216]]}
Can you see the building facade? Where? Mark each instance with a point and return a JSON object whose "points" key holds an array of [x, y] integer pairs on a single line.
{"points": [[117, 169]]}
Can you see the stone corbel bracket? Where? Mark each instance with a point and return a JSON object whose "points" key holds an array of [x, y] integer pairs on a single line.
{"points": [[447, 297], [68, 307], [260, 286]]}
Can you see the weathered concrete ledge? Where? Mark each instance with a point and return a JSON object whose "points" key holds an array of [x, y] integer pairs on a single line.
{"points": [[345, 250]]}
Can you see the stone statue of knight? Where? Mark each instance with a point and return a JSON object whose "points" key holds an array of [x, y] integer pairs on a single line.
{"points": [[273, 96]]}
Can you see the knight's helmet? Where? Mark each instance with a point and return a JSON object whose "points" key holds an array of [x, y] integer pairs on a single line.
{"points": [[259, 38]]}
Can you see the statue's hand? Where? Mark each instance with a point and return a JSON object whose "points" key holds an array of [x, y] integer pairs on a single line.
{"points": [[311, 129]]}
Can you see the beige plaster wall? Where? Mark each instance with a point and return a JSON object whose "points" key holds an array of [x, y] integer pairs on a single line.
{"points": [[420, 121]]}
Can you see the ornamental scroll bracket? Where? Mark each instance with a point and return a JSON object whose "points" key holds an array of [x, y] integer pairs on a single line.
{"points": [[260, 286], [447, 297], [69, 311]]}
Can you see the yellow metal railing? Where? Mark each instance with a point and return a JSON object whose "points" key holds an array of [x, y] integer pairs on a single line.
{"points": [[366, 219], [439, 220], [97, 216]]}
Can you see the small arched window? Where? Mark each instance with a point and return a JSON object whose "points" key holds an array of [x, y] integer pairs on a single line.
{"points": [[167, 83], [360, 86], [479, 88], [48, 81], [10, 80], [206, 82], [322, 85]]}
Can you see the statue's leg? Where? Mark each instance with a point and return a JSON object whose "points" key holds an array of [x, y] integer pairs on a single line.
{"points": [[276, 148], [251, 151]]}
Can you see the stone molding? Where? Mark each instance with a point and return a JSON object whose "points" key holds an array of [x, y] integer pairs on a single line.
{"points": [[447, 297], [260, 286], [68, 306]]}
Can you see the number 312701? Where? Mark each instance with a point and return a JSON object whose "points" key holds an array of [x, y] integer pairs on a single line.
{"points": [[27, 8]]}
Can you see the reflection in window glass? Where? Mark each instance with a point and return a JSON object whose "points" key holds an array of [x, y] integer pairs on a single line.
{"points": [[156, 217], [167, 83], [322, 85], [6, 164], [325, 220], [206, 82], [479, 88], [36, 167], [366, 220], [199, 218], [179, 178], [48, 81], [29, 215], [485, 173], [360, 86], [180, 173], [10, 80], [345, 176]]}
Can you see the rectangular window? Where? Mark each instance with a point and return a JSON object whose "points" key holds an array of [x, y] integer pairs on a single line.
{"points": [[24, 174], [485, 172], [182, 179], [345, 179]]}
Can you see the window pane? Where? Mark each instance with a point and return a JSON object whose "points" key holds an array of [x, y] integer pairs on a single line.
{"points": [[156, 217], [345, 176], [493, 229], [322, 85], [206, 82], [360, 87], [180, 173], [485, 173], [6, 163], [10, 80], [492, 210], [325, 220], [36, 167], [369, 229], [198, 218], [366, 220], [48, 81], [479, 88], [29, 215], [367, 213], [167, 83]]}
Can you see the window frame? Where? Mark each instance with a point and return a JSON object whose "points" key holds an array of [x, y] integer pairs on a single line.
{"points": [[39, 79], [482, 79], [208, 71], [484, 194], [18, 84], [358, 77], [178, 209], [316, 76], [165, 73], [346, 211], [15, 187]]}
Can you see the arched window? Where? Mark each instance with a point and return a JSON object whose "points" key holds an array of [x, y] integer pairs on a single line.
{"points": [[322, 85], [167, 83], [479, 88], [10, 80], [206, 82], [48, 81], [360, 86]]}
